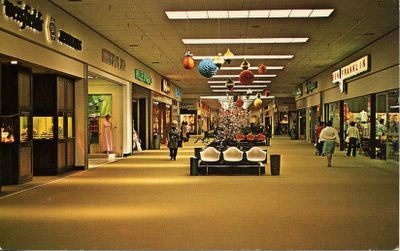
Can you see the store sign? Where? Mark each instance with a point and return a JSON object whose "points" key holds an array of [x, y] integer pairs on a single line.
{"points": [[165, 86], [70, 40], [311, 86], [142, 76], [177, 92], [355, 68], [351, 70], [189, 107], [111, 59], [24, 15], [299, 92], [61, 36]]}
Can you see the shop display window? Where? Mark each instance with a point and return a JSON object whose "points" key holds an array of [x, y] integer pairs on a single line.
{"points": [[333, 114], [70, 127], [155, 118], [43, 128], [61, 127], [7, 124], [24, 129], [359, 111]]}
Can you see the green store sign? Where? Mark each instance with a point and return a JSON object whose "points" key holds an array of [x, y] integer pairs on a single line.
{"points": [[142, 76]]}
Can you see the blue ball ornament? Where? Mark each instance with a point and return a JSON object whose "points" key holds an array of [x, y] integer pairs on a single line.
{"points": [[207, 68]]}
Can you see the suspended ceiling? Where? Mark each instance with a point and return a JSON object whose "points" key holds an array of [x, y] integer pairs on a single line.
{"points": [[143, 30]]}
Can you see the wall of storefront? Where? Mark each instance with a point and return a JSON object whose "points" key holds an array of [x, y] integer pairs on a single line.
{"points": [[382, 76], [37, 48]]}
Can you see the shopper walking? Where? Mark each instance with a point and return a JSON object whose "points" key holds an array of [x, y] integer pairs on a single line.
{"points": [[319, 143], [330, 137], [173, 138], [353, 136]]}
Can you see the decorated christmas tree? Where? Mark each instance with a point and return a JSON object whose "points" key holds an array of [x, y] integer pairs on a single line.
{"points": [[231, 120]]}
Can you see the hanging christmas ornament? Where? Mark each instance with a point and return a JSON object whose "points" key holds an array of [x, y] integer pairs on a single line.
{"points": [[262, 69], [219, 60], [258, 95], [245, 64], [188, 62], [246, 77], [229, 84], [248, 93], [228, 55], [257, 103], [266, 92], [207, 68], [239, 102]]}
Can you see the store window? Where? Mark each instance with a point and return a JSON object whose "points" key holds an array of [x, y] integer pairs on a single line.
{"points": [[359, 111], [333, 114], [387, 125], [302, 121]]}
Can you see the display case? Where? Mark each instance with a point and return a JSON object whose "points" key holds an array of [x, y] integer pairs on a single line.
{"points": [[53, 111], [15, 125]]}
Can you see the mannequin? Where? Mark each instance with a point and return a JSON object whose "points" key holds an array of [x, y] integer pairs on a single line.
{"points": [[108, 137], [364, 116]]}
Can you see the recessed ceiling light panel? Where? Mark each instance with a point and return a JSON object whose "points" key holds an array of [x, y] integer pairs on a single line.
{"points": [[288, 40], [249, 57]]}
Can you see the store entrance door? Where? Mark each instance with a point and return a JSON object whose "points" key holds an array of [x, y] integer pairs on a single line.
{"points": [[313, 122]]}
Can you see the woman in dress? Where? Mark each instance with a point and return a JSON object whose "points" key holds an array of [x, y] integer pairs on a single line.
{"points": [[330, 137], [108, 136]]}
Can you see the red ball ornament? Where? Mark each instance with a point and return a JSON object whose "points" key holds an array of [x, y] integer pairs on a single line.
{"points": [[239, 102], [262, 69], [188, 62], [266, 92], [246, 77]]}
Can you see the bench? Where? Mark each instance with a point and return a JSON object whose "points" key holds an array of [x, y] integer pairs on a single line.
{"points": [[232, 161]]}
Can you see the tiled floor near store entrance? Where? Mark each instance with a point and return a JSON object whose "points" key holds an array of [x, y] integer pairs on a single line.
{"points": [[149, 202]]}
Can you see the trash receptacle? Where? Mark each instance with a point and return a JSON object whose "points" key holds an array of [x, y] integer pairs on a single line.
{"points": [[193, 166], [156, 141], [197, 151], [275, 164]]}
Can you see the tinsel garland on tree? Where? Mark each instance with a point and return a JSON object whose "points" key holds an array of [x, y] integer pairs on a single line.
{"points": [[231, 120]]}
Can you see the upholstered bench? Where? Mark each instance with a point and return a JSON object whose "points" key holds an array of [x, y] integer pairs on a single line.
{"points": [[232, 161]]}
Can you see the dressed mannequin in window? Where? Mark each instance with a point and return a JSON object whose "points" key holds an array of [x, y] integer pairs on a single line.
{"points": [[364, 116], [108, 136]]}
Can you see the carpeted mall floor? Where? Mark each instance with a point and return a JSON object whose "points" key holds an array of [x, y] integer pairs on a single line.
{"points": [[149, 202]]}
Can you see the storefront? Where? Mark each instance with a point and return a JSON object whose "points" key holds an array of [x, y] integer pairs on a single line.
{"points": [[362, 89], [54, 59], [141, 110], [189, 115]]}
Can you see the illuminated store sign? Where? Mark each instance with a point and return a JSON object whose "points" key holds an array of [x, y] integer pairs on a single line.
{"points": [[111, 59], [177, 92], [24, 15], [351, 70], [299, 92], [311, 86], [142, 76], [62, 36], [165, 86]]}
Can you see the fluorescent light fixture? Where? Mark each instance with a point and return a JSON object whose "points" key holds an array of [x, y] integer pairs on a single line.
{"points": [[197, 14], [259, 13], [249, 57], [321, 12], [254, 90], [288, 40], [237, 82], [279, 13], [232, 68], [236, 76], [176, 14], [218, 14], [14, 62], [244, 14], [300, 13], [238, 14], [240, 86]]}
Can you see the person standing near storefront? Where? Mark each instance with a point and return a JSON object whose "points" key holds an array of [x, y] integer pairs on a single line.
{"points": [[353, 135], [330, 137], [173, 138], [319, 143], [184, 131]]}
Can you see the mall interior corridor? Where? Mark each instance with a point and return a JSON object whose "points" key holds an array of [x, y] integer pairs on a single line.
{"points": [[147, 201]]}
